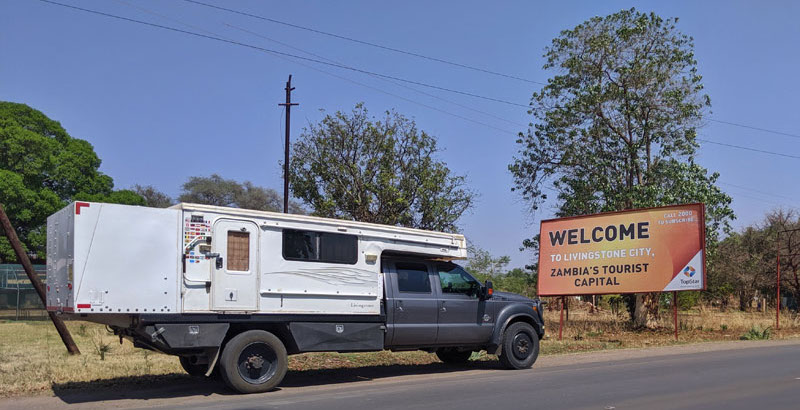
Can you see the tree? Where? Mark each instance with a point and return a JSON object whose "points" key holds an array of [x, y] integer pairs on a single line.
{"points": [[784, 226], [215, 190], [615, 127], [42, 169], [352, 166], [746, 265], [484, 266], [152, 196]]}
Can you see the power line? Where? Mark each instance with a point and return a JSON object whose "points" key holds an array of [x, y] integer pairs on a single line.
{"points": [[346, 67], [239, 12], [238, 43], [750, 149], [380, 78], [338, 76], [367, 43], [757, 191], [757, 128], [741, 195]]}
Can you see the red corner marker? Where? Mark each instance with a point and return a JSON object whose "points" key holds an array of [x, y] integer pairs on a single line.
{"points": [[79, 205]]}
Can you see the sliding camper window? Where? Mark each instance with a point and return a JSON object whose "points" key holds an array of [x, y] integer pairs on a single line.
{"points": [[319, 246]]}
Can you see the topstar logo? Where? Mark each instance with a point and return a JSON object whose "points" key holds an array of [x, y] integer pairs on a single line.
{"points": [[688, 271]]}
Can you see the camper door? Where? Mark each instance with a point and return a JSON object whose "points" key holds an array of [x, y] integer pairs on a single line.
{"points": [[234, 282]]}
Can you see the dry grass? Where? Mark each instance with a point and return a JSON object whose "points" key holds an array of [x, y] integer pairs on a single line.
{"points": [[33, 360], [601, 330]]}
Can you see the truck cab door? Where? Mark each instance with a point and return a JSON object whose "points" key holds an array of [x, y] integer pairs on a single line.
{"points": [[462, 317], [234, 279], [413, 304]]}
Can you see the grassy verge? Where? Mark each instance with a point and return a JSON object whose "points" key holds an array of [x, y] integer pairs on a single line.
{"points": [[33, 361]]}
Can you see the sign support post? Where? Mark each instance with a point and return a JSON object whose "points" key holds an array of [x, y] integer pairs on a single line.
{"points": [[675, 311], [561, 321]]}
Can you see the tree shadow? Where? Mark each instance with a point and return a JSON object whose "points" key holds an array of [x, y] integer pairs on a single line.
{"points": [[180, 385]]}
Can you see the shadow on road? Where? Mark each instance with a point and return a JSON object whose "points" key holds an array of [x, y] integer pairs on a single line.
{"points": [[181, 385], [137, 388]]}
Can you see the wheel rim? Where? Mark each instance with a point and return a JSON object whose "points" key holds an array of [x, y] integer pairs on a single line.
{"points": [[257, 363], [523, 346]]}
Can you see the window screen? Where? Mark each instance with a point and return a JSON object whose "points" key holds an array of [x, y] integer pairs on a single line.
{"points": [[320, 246], [239, 251], [413, 277]]}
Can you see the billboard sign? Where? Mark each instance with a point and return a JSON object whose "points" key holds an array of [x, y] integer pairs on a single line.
{"points": [[636, 251]]}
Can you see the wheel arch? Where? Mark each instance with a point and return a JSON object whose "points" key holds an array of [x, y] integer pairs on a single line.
{"points": [[280, 330], [510, 315]]}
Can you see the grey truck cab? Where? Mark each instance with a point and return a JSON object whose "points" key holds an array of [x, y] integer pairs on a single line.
{"points": [[438, 306], [233, 292]]}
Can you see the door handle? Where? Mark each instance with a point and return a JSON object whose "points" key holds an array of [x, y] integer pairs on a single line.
{"points": [[443, 308], [219, 262], [399, 305]]}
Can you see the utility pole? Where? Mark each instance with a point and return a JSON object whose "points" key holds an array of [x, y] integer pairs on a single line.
{"points": [[11, 234], [778, 280], [288, 104]]}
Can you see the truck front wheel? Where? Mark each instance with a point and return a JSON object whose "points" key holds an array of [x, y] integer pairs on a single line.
{"points": [[520, 346], [254, 361]]}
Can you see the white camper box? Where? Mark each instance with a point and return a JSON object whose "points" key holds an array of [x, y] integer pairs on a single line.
{"points": [[105, 259]]}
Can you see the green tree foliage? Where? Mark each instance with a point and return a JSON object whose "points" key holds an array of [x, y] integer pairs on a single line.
{"points": [[215, 190], [484, 266], [352, 166], [615, 127], [42, 169], [152, 196]]}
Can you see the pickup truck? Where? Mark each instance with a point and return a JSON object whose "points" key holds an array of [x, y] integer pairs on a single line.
{"points": [[233, 292]]}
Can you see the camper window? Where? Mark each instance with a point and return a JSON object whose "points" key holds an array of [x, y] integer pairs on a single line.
{"points": [[319, 246], [239, 251]]}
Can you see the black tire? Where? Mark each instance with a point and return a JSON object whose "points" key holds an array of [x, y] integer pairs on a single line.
{"points": [[520, 346], [253, 361], [194, 370], [453, 356]]}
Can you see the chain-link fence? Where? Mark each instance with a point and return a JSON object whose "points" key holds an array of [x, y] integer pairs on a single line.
{"points": [[18, 298]]}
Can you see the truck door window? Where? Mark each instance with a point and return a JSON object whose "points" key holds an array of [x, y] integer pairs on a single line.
{"points": [[413, 277], [455, 279], [239, 251]]}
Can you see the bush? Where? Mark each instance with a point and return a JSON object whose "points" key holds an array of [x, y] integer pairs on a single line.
{"points": [[755, 333]]}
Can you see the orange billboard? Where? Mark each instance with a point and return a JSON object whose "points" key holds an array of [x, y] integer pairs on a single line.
{"points": [[636, 251]]}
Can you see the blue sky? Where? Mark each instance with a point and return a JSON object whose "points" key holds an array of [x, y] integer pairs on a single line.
{"points": [[160, 106]]}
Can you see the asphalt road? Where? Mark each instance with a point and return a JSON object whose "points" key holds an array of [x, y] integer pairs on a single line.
{"points": [[740, 375]]}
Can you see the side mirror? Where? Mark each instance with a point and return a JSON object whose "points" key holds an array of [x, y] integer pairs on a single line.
{"points": [[487, 290]]}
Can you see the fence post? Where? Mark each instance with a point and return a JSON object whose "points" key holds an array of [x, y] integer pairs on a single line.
{"points": [[16, 279]]}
